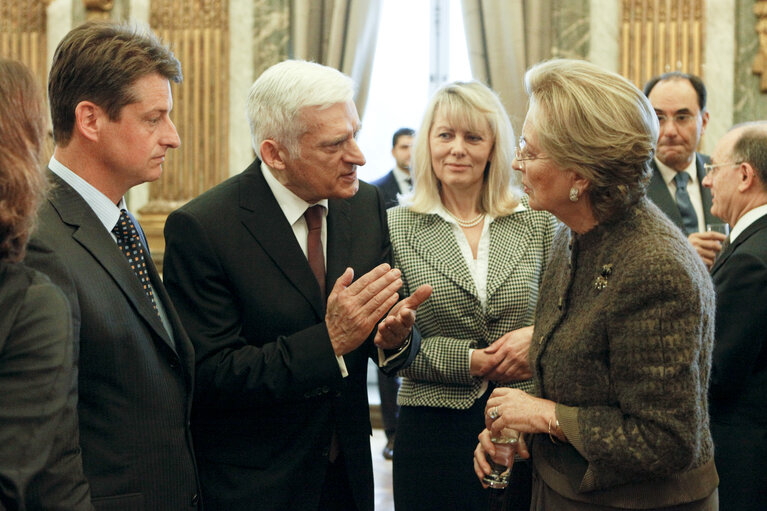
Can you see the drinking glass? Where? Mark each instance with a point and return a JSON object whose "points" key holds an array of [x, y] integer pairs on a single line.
{"points": [[723, 228], [498, 479]]}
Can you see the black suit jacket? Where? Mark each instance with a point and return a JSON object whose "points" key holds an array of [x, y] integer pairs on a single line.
{"points": [[739, 365], [658, 192], [36, 375], [135, 382], [389, 188], [269, 390]]}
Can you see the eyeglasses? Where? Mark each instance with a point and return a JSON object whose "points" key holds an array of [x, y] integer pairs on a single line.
{"points": [[521, 157], [679, 119], [711, 169]]}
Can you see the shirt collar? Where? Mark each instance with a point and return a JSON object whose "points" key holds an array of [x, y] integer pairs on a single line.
{"points": [[293, 206], [402, 179], [746, 220], [107, 212], [669, 174]]}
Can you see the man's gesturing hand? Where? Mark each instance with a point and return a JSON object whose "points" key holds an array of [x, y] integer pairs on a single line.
{"points": [[355, 308]]}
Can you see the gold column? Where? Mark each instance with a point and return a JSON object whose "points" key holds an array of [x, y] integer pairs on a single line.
{"points": [[198, 32], [658, 36], [23, 34]]}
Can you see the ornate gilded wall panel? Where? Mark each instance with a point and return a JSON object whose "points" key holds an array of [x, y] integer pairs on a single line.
{"points": [[198, 33], [659, 36], [22, 34]]}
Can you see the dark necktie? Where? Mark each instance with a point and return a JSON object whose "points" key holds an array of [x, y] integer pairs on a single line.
{"points": [[314, 253], [130, 245], [689, 217]]}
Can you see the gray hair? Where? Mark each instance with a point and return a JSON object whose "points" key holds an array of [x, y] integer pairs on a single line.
{"points": [[277, 97]]}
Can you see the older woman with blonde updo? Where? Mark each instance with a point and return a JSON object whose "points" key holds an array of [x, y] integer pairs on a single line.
{"points": [[621, 350]]}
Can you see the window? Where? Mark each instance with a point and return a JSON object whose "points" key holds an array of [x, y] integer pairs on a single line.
{"points": [[420, 46]]}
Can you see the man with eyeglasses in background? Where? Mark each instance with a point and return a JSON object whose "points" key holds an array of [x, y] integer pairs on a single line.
{"points": [[738, 410], [679, 100]]}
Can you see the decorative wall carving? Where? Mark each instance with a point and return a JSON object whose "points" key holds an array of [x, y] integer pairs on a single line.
{"points": [[198, 32], [658, 36], [98, 9], [23, 34]]}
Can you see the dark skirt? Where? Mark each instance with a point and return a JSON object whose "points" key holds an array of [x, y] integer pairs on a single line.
{"points": [[433, 460]]}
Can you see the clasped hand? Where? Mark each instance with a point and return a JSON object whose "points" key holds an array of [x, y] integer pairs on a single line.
{"points": [[505, 360]]}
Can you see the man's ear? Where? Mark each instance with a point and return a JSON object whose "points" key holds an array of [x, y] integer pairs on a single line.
{"points": [[88, 120], [746, 177], [273, 154]]}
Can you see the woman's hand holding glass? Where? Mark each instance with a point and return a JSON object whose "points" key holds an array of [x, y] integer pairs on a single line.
{"points": [[494, 456]]}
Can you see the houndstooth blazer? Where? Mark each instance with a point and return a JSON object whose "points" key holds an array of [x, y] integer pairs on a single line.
{"points": [[452, 321]]}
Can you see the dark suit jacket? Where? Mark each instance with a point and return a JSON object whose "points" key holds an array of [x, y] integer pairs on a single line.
{"points": [[658, 192], [389, 188], [739, 369], [269, 389], [135, 383], [36, 373]]}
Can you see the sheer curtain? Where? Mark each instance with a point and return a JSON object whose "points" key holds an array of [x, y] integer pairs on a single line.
{"points": [[340, 34], [504, 39]]}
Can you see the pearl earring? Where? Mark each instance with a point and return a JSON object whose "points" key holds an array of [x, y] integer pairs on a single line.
{"points": [[573, 194]]}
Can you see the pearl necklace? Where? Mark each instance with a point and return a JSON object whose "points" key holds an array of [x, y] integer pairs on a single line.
{"points": [[466, 223]]}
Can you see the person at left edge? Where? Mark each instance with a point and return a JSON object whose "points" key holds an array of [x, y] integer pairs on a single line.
{"points": [[36, 346], [109, 90], [281, 417]]}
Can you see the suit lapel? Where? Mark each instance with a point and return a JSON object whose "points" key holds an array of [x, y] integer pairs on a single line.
{"points": [[263, 218], [658, 190], [750, 231], [433, 239], [509, 240], [91, 234]]}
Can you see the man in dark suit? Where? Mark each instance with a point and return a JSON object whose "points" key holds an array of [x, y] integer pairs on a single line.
{"points": [[679, 100], [109, 90], [396, 181], [738, 408], [262, 268]]}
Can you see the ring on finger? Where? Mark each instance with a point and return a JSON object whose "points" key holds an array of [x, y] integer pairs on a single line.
{"points": [[494, 413]]}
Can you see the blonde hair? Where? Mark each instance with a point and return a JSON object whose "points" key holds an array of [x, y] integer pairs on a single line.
{"points": [[598, 124], [473, 106]]}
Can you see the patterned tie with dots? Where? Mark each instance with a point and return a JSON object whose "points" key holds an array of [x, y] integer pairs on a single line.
{"points": [[130, 245]]}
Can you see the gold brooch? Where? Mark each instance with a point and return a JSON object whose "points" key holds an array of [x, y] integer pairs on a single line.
{"points": [[601, 282]]}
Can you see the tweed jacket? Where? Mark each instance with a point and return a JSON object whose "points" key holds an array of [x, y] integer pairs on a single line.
{"points": [[623, 339], [453, 321]]}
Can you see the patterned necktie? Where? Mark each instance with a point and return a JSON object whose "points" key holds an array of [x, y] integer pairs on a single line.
{"points": [[314, 253], [130, 245], [689, 217]]}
